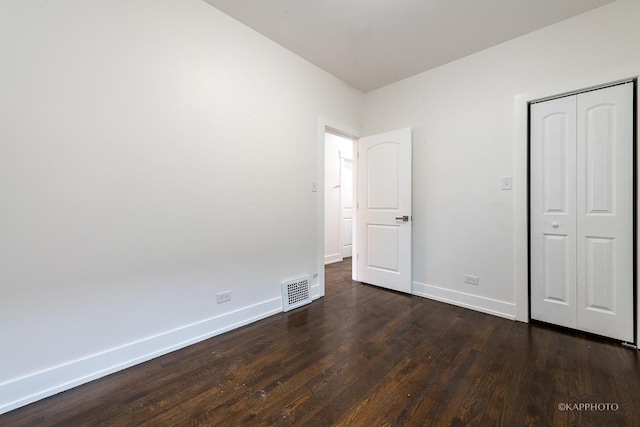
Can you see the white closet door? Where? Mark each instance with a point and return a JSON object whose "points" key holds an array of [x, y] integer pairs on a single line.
{"points": [[553, 212], [581, 211], [605, 211], [346, 205]]}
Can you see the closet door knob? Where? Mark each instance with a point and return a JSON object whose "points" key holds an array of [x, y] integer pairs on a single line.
{"points": [[554, 224]]}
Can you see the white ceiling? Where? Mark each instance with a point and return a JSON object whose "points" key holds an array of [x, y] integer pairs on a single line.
{"points": [[372, 43]]}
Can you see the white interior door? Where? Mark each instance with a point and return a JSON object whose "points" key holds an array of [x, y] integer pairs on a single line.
{"points": [[582, 211], [605, 212], [384, 210], [346, 202], [553, 212]]}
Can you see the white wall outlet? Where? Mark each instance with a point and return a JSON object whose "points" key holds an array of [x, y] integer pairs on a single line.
{"points": [[507, 183], [223, 297], [472, 280]]}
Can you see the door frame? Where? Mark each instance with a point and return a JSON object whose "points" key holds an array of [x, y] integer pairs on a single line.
{"points": [[343, 162], [521, 179], [337, 128]]}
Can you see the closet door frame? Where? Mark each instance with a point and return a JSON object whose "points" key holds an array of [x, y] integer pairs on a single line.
{"points": [[521, 178], [581, 193]]}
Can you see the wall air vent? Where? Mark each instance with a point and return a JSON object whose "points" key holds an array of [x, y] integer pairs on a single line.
{"points": [[295, 293]]}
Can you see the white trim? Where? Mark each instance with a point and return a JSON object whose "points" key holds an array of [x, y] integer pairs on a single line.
{"points": [[335, 129], [330, 259], [520, 183], [315, 292], [463, 299], [39, 385], [520, 209], [354, 214]]}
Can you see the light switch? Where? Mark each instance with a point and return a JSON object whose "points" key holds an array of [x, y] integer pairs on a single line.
{"points": [[314, 186], [507, 183]]}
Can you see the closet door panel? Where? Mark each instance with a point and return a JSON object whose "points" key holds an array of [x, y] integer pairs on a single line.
{"points": [[552, 212], [605, 211]]}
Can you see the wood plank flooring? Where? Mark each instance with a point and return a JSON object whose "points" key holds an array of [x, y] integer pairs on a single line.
{"points": [[363, 356]]}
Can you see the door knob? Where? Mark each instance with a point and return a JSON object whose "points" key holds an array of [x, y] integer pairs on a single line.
{"points": [[554, 224], [403, 218]]}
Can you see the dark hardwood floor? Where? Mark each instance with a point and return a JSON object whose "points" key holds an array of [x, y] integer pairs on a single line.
{"points": [[363, 356]]}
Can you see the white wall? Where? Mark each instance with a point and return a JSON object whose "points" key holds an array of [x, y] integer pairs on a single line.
{"points": [[463, 121], [152, 154], [336, 147]]}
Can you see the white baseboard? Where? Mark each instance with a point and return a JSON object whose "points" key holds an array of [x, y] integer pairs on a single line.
{"points": [[347, 251], [330, 259], [462, 299], [315, 292], [38, 385]]}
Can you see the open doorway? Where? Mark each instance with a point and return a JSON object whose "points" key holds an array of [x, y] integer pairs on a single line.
{"points": [[338, 197], [329, 127], [380, 231]]}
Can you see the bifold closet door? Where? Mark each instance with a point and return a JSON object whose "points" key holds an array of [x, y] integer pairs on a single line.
{"points": [[605, 212], [553, 212], [581, 211]]}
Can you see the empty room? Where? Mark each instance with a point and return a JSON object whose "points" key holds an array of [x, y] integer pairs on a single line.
{"points": [[319, 213]]}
